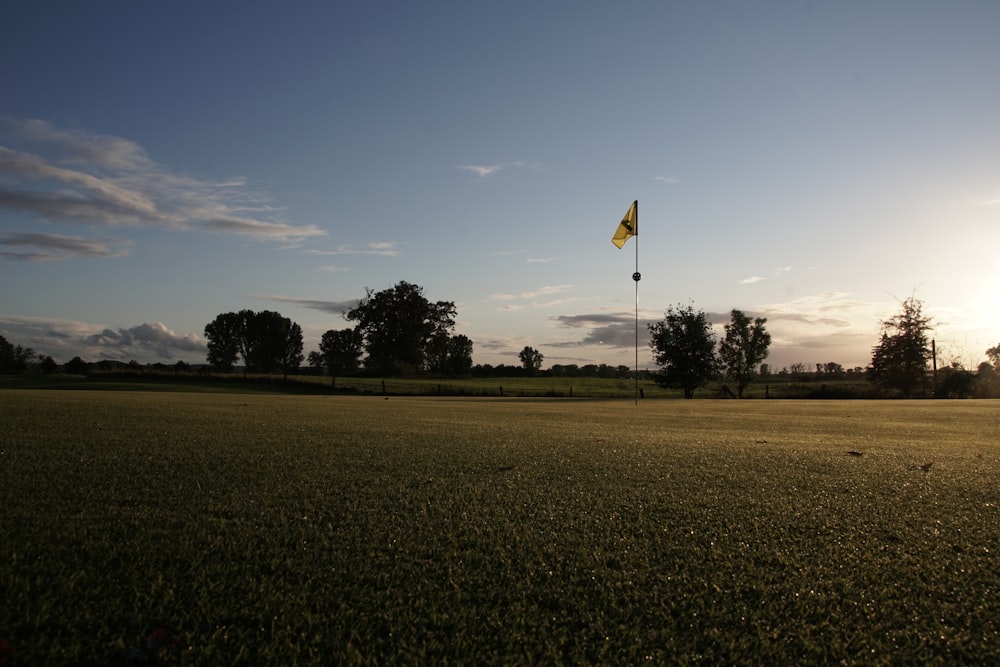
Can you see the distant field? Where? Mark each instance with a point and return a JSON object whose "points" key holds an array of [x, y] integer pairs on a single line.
{"points": [[282, 530], [543, 386], [311, 384]]}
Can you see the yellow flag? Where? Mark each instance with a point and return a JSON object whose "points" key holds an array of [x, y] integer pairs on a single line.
{"points": [[628, 227]]}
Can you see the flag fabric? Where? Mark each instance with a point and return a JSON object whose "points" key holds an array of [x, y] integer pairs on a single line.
{"points": [[628, 227]]}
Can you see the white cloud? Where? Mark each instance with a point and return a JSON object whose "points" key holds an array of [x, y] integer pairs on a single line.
{"points": [[822, 327], [670, 180], [487, 170], [73, 177], [554, 302], [533, 294], [779, 271], [481, 170], [155, 337], [65, 339], [259, 229]]}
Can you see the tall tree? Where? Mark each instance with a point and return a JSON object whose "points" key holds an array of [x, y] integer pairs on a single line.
{"points": [[398, 325], [340, 351], [450, 355], [683, 346], [743, 347], [459, 355], [250, 341], [223, 334], [531, 359], [291, 353], [436, 357], [899, 361], [14, 358], [267, 342], [273, 343]]}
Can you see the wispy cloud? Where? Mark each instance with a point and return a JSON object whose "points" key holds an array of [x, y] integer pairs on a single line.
{"points": [[487, 170], [332, 307], [821, 327], [990, 202], [481, 170], [65, 176], [531, 294], [829, 308], [778, 272], [257, 229], [533, 298], [384, 248], [527, 260], [37, 247], [669, 180]]}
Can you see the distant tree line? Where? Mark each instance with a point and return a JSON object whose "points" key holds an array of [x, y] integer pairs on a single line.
{"points": [[903, 363], [14, 359], [556, 370], [21, 360], [398, 331]]}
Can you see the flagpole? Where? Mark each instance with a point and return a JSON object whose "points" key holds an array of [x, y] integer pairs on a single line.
{"points": [[627, 228], [636, 277]]}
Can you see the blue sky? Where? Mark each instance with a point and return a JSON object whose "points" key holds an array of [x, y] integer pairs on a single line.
{"points": [[809, 162]]}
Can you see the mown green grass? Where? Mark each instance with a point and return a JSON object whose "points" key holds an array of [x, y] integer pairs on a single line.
{"points": [[363, 530]]}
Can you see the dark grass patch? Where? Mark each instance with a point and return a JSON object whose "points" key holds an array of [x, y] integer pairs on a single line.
{"points": [[340, 530]]}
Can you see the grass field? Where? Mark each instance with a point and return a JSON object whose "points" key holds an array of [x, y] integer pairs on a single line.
{"points": [[317, 385], [282, 530], [516, 387]]}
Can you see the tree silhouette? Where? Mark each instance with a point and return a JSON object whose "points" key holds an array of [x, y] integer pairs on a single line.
{"points": [[399, 325], [267, 342], [683, 346], [531, 359], [340, 351], [743, 348], [899, 361]]}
